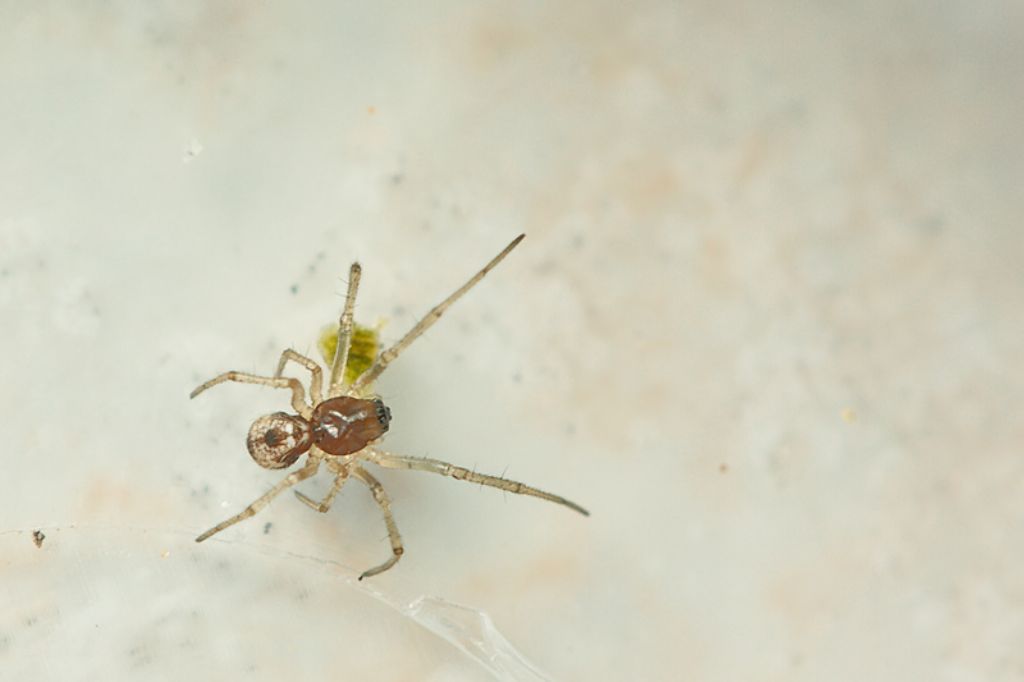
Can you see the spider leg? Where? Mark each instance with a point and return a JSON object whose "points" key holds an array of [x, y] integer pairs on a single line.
{"points": [[263, 500], [345, 333], [384, 502], [389, 355], [298, 393], [316, 374], [435, 466], [325, 504]]}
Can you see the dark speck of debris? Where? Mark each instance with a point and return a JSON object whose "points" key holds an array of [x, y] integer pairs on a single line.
{"points": [[267, 527], [294, 289], [397, 179], [723, 468], [38, 537]]}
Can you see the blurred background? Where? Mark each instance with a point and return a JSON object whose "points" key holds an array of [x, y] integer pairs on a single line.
{"points": [[763, 326]]}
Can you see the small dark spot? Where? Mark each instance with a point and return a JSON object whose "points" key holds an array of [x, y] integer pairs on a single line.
{"points": [[294, 289], [723, 468], [266, 527], [517, 377], [272, 438], [397, 179], [38, 537]]}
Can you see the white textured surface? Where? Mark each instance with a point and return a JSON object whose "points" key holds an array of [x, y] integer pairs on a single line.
{"points": [[766, 325]]}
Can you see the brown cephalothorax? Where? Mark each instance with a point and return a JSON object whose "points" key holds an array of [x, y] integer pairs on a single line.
{"points": [[341, 430], [344, 425]]}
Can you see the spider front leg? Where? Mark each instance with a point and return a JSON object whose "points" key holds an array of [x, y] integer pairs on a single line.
{"points": [[316, 374], [392, 353], [384, 502], [345, 324], [291, 479], [390, 461], [298, 393]]}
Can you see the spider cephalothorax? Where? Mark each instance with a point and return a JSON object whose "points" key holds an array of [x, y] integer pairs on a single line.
{"points": [[341, 430], [344, 425]]}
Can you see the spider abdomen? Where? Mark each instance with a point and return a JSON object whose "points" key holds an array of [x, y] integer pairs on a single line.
{"points": [[277, 440], [344, 425]]}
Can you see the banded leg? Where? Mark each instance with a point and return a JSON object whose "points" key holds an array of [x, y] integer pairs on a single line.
{"points": [[291, 479], [435, 466], [389, 355], [298, 393], [316, 374], [337, 387], [325, 504], [384, 503]]}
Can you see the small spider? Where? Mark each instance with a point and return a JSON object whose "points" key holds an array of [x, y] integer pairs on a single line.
{"points": [[340, 431]]}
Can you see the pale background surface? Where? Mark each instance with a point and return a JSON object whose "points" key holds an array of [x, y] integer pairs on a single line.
{"points": [[766, 325]]}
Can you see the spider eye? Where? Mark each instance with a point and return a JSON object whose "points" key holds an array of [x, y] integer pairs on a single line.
{"points": [[383, 413], [276, 440]]}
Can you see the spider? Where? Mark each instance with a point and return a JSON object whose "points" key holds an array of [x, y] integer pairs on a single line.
{"points": [[340, 431]]}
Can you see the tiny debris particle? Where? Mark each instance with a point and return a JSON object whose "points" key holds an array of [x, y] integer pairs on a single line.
{"points": [[194, 149], [723, 468], [164, 554], [848, 415], [38, 537], [267, 527]]}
